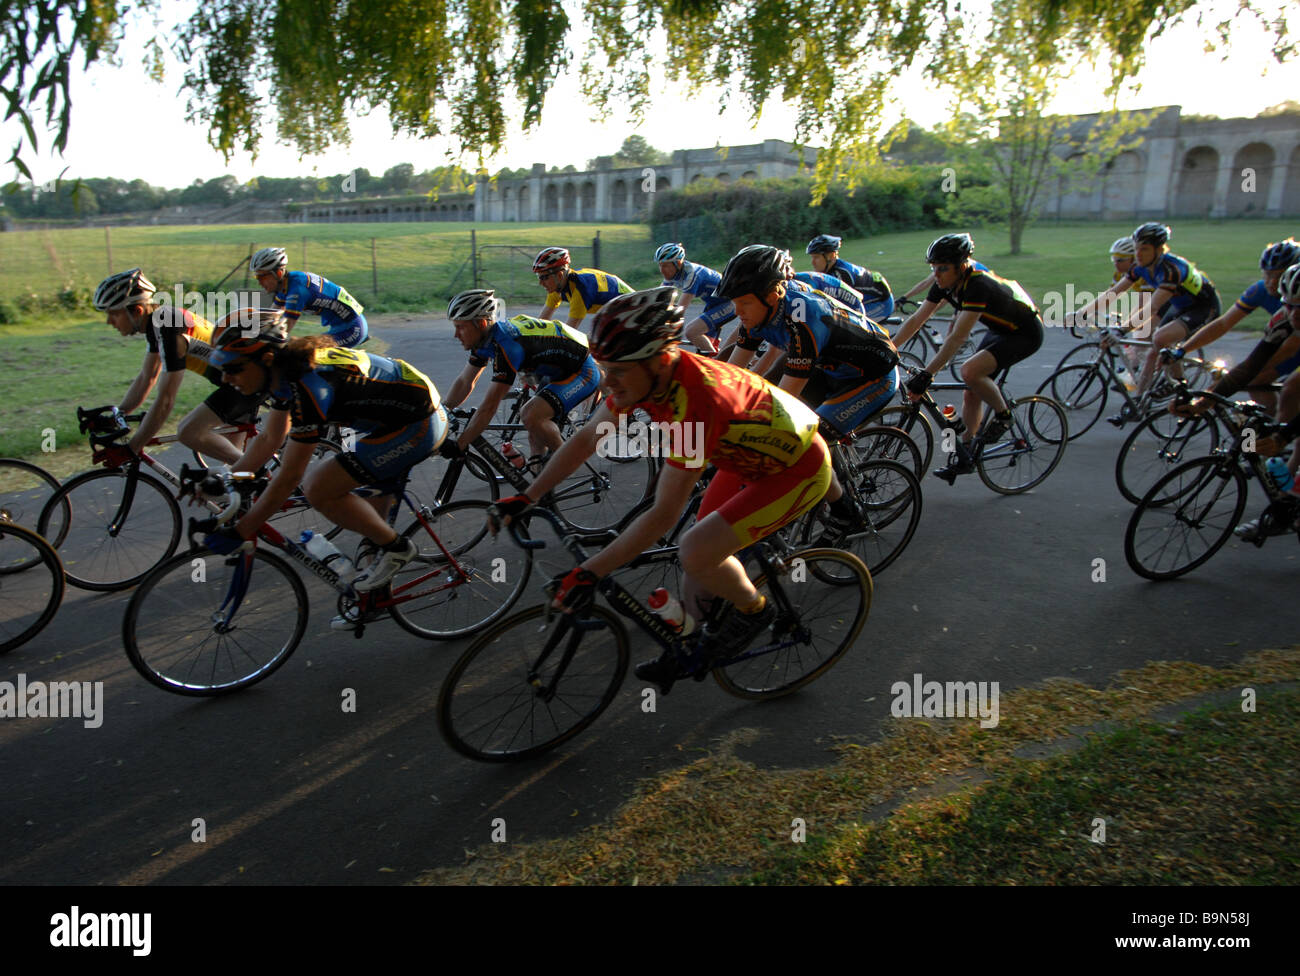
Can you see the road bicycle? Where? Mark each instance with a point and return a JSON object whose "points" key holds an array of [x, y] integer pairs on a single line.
{"points": [[1188, 515], [1020, 459], [1087, 375], [114, 525], [204, 624], [539, 678], [31, 583]]}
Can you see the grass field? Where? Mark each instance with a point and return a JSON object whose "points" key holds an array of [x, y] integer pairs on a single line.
{"points": [[55, 360]]}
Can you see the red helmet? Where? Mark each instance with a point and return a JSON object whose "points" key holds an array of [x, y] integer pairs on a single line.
{"points": [[637, 325], [551, 259]]}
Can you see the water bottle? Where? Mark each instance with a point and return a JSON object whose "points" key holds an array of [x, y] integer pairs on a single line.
{"points": [[950, 414], [1280, 473], [1124, 376], [513, 456], [324, 550], [671, 612]]}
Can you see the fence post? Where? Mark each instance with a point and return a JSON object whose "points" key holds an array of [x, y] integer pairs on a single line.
{"points": [[374, 269], [248, 265], [595, 250], [108, 246], [304, 254], [473, 256]]}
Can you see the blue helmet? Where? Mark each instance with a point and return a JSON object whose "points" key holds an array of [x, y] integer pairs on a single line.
{"points": [[1280, 256], [670, 252], [823, 243]]}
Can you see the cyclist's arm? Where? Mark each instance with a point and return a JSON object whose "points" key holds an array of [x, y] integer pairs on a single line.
{"points": [[672, 493], [142, 384], [463, 386], [1214, 330], [159, 411], [575, 322], [1123, 285], [912, 324], [483, 415], [552, 303], [294, 460], [793, 384], [962, 326], [259, 451], [922, 285], [768, 360]]}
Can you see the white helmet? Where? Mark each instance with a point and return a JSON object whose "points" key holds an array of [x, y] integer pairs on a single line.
{"points": [[1124, 245], [122, 290], [477, 303], [268, 259], [1288, 288]]}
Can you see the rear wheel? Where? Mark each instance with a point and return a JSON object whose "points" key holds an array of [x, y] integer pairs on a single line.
{"points": [[1028, 452], [912, 421], [1081, 392], [31, 584], [25, 488], [1185, 518], [1151, 450]]}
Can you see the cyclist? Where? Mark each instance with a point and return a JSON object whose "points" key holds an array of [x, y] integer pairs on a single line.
{"points": [[772, 466], [837, 361], [1015, 333], [551, 352], [586, 289], [696, 281], [1184, 299], [878, 300], [301, 291], [177, 340], [313, 382]]}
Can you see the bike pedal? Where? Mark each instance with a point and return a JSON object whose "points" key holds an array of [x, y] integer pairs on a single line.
{"points": [[361, 629]]}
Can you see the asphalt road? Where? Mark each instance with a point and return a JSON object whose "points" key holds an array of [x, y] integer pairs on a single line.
{"points": [[291, 788]]}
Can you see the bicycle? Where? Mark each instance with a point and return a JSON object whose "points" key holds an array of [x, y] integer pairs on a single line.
{"points": [[233, 624], [1083, 388], [25, 488], [90, 518], [1188, 515], [537, 679], [1021, 459], [31, 583]]}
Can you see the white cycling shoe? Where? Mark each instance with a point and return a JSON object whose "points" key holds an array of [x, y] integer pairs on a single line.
{"points": [[382, 571]]}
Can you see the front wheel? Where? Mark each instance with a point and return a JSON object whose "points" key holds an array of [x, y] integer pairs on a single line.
{"points": [[814, 627], [205, 624], [506, 699], [1185, 518], [464, 577], [1030, 451], [105, 545], [31, 584], [888, 496], [1081, 391]]}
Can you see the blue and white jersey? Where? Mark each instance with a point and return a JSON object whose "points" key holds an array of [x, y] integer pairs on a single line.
{"points": [[702, 282], [828, 284]]}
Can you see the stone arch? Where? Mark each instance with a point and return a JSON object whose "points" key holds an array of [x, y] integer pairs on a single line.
{"points": [[1291, 189], [569, 207], [1077, 197], [521, 205], [697, 177], [1250, 179], [723, 178], [551, 202], [587, 201], [749, 174], [1197, 176], [618, 202], [1123, 185]]}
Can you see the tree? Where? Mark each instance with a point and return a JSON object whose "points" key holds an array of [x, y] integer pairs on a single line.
{"points": [[443, 67]]}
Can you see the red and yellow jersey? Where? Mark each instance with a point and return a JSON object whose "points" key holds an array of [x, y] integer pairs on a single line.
{"points": [[727, 416]]}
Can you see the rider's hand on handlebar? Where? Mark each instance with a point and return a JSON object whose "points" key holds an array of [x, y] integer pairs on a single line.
{"points": [[1172, 354], [450, 449], [573, 591], [918, 384], [506, 510]]}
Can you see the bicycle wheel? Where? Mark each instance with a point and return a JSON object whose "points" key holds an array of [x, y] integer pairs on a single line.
{"points": [[31, 584], [292, 522], [460, 587], [25, 488], [872, 441], [1081, 391], [890, 498], [476, 479], [1030, 450], [1084, 353], [497, 703], [912, 421], [1149, 452], [94, 556], [597, 496], [826, 622], [1185, 518], [182, 635]]}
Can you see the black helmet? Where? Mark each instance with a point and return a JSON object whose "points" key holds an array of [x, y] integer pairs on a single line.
{"points": [[637, 325], [950, 249], [1280, 256], [1152, 233], [753, 271], [823, 243]]}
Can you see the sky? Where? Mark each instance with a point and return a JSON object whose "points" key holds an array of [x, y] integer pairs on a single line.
{"points": [[1181, 73]]}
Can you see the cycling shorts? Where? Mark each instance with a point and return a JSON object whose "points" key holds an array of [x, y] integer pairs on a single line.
{"points": [[347, 334], [715, 318], [1196, 315], [1009, 348], [232, 407], [849, 409], [564, 395], [880, 310], [757, 510], [384, 456]]}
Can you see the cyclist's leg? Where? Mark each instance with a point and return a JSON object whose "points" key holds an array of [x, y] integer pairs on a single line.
{"points": [[543, 414], [347, 334], [697, 333], [879, 310], [846, 410], [223, 406], [1173, 329]]}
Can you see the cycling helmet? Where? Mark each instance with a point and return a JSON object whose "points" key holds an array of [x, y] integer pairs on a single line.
{"points": [[1124, 246], [1283, 254], [477, 303], [1152, 233], [247, 332], [753, 271], [670, 252], [551, 259], [1288, 289], [638, 325], [122, 290], [268, 259], [950, 249], [823, 243]]}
